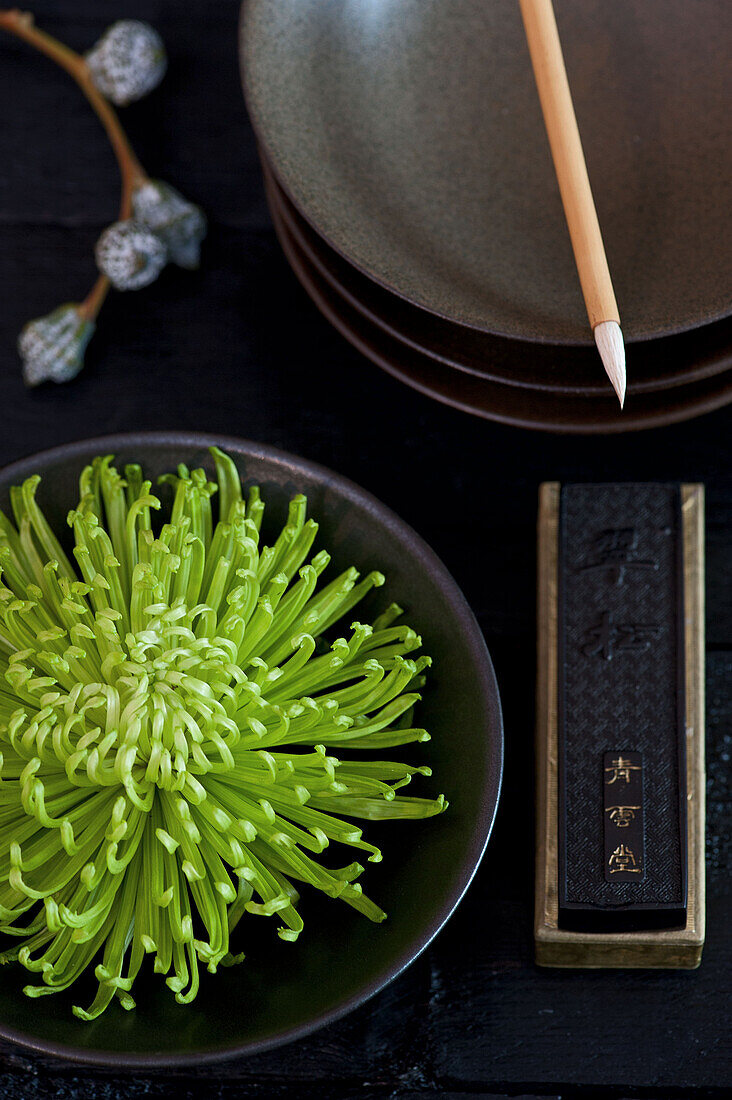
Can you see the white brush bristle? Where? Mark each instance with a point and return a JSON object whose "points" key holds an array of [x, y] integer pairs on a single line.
{"points": [[609, 340]]}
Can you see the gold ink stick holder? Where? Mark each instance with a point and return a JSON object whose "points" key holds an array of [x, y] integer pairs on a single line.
{"points": [[679, 948]]}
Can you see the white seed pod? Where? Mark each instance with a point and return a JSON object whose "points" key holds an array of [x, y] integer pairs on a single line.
{"points": [[180, 224], [130, 255], [52, 347], [128, 61]]}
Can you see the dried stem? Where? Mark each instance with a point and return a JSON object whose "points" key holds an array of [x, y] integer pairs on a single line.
{"points": [[131, 171], [89, 308]]}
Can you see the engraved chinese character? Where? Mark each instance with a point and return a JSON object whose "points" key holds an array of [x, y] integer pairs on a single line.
{"points": [[623, 859], [621, 815], [621, 769], [612, 550], [607, 637]]}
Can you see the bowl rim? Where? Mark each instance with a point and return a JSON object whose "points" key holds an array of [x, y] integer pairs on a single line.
{"points": [[486, 684]]}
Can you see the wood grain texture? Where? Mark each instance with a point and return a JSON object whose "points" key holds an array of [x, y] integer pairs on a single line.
{"points": [[238, 348]]}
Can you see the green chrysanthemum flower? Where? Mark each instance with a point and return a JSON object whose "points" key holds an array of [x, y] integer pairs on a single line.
{"points": [[166, 727]]}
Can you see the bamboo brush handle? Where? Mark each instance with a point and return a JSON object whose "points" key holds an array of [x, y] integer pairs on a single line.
{"points": [[569, 161]]}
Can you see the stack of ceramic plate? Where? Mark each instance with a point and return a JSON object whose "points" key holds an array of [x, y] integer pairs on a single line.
{"points": [[411, 186]]}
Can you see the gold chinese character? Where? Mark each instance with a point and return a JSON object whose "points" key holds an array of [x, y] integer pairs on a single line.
{"points": [[623, 859], [621, 815], [621, 769]]}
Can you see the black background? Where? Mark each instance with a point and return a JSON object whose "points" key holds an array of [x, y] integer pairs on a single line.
{"points": [[238, 348]]}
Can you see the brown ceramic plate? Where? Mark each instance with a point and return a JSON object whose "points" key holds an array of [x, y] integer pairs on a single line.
{"points": [[409, 134], [653, 365], [538, 409], [284, 991]]}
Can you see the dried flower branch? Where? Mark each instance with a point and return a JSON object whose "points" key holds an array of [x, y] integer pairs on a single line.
{"points": [[180, 224], [53, 347], [125, 64], [130, 255]]}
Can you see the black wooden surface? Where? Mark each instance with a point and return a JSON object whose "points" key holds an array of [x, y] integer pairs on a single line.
{"points": [[238, 348]]}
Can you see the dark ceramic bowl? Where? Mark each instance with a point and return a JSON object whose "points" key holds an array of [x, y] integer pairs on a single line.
{"points": [[409, 134], [284, 991]]}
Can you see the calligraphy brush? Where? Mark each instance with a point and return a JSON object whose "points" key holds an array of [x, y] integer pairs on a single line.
{"points": [[574, 186]]}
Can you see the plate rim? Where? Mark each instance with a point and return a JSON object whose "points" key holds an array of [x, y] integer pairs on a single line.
{"points": [[722, 361], [622, 423], [483, 824]]}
